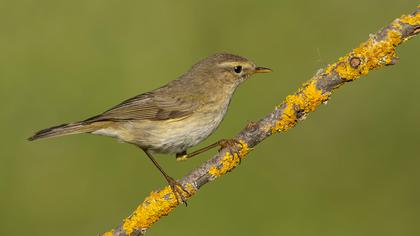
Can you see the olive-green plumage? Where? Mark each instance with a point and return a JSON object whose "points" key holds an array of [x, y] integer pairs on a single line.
{"points": [[174, 117]]}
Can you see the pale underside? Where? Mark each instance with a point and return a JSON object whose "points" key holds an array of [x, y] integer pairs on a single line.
{"points": [[169, 136]]}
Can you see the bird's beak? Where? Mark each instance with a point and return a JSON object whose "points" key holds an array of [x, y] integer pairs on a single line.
{"points": [[262, 70]]}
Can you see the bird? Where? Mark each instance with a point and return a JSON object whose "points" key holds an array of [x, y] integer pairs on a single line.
{"points": [[174, 117]]}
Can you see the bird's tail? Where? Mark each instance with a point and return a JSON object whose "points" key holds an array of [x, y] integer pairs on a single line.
{"points": [[64, 129]]}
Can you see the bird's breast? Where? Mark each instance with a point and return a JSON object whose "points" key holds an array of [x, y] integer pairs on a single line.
{"points": [[173, 135], [177, 135]]}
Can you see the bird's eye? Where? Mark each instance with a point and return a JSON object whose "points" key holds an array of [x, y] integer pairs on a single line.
{"points": [[237, 69]]}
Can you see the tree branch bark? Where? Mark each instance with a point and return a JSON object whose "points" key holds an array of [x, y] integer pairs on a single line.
{"points": [[376, 52]]}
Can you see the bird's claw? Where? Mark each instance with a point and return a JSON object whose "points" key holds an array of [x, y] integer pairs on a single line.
{"points": [[233, 145], [178, 190]]}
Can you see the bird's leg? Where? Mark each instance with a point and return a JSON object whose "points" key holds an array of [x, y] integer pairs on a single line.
{"points": [[223, 143], [184, 156], [176, 187]]}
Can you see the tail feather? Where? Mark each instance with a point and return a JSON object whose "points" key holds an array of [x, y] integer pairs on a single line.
{"points": [[64, 129]]}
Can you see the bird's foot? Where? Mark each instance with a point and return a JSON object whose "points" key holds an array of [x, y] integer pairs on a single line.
{"points": [[233, 145], [182, 156], [178, 190]]}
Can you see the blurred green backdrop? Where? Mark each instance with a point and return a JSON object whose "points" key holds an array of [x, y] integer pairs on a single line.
{"points": [[352, 168]]}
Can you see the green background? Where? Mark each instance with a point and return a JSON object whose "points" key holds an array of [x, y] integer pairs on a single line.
{"points": [[352, 168]]}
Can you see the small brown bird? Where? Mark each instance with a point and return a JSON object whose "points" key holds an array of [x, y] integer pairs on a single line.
{"points": [[174, 117]]}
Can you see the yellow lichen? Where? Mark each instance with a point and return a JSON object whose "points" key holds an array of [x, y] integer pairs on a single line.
{"points": [[396, 24], [214, 171], [230, 161], [305, 100], [154, 207], [410, 19], [109, 233], [372, 54], [311, 97], [288, 119]]}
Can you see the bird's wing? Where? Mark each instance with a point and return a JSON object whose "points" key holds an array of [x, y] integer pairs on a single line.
{"points": [[149, 106]]}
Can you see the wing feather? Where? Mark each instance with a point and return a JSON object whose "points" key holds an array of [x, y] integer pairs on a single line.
{"points": [[156, 105]]}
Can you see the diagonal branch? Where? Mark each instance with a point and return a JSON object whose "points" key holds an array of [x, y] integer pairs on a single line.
{"points": [[376, 52]]}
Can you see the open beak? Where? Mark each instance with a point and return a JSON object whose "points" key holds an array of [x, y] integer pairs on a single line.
{"points": [[263, 70]]}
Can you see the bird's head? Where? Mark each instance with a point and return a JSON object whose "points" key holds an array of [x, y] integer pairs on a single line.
{"points": [[226, 68]]}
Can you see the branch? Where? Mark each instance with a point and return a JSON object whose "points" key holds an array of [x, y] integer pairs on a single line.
{"points": [[376, 52]]}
